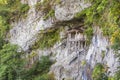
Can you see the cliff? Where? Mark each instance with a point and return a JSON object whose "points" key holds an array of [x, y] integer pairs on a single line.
{"points": [[81, 37]]}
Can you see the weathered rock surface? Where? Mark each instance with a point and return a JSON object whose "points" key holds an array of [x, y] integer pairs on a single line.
{"points": [[70, 59], [24, 31], [75, 59], [68, 8]]}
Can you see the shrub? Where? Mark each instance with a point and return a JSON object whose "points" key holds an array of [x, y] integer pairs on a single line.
{"points": [[3, 29], [39, 69], [99, 72], [43, 65], [51, 13], [10, 63], [115, 40], [24, 8], [105, 14], [117, 75], [46, 7], [12, 66], [89, 33], [47, 40], [13, 9], [45, 77]]}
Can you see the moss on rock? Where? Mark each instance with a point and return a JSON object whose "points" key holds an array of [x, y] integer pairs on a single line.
{"points": [[47, 39]]}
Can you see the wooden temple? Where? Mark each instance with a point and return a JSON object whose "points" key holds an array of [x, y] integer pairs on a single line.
{"points": [[76, 38]]}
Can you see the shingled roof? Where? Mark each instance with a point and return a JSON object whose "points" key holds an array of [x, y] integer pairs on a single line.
{"points": [[76, 29]]}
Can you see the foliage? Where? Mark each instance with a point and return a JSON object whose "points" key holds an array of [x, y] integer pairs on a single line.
{"points": [[115, 40], [80, 14], [43, 65], [3, 2], [10, 10], [3, 30], [45, 7], [12, 66], [89, 32], [45, 77], [10, 63], [103, 54], [50, 14], [109, 18], [47, 40], [13, 9], [83, 62], [24, 8], [105, 14], [117, 75], [39, 69], [99, 72]]}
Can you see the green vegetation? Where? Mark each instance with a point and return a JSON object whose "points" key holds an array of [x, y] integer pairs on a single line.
{"points": [[83, 62], [117, 76], [45, 77], [105, 14], [50, 14], [80, 14], [46, 5], [102, 13], [89, 33], [115, 40], [10, 63], [46, 8], [12, 66], [3, 29], [47, 39], [10, 11], [39, 70], [99, 72], [103, 54]]}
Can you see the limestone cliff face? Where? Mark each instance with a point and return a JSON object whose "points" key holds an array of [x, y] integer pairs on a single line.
{"points": [[25, 30], [70, 58], [75, 59]]}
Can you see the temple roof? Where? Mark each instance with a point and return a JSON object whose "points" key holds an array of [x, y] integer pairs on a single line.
{"points": [[76, 29]]}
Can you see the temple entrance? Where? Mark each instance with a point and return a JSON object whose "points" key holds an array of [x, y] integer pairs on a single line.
{"points": [[76, 40]]}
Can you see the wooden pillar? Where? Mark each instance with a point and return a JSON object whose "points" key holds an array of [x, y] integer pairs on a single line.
{"points": [[68, 42], [69, 35], [78, 44], [75, 35]]}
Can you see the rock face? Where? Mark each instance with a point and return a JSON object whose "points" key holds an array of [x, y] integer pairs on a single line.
{"points": [[77, 62], [24, 31], [75, 59], [68, 8]]}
